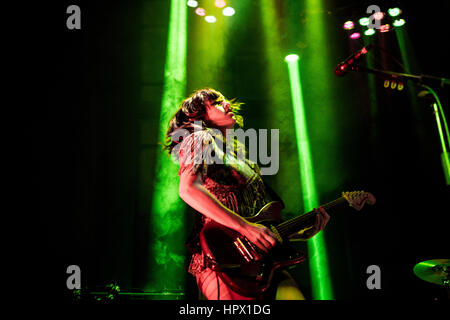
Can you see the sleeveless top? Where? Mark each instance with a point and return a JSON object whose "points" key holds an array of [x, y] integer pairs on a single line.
{"points": [[235, 181]]}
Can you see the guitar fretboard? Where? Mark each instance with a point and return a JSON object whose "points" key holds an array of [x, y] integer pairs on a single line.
{"points": [[296, 224]]}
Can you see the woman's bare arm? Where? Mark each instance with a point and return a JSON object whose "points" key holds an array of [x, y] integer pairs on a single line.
{"points": [[195, 195]]}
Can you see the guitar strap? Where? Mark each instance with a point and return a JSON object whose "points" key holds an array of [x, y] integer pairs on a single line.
{"points": [[211, 263], [272, 194]]}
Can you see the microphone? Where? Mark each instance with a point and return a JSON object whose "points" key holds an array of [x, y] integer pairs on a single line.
{"points": [[347, 65]]}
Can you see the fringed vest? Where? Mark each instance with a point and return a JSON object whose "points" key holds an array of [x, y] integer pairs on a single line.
{"points": [[234, 180]]}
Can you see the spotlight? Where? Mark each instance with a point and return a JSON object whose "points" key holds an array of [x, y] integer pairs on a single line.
{"points": [[385, 28], [369, 32], [398, 22], [378, 15], [220, 3], [355, 35], [210, 19], [364, 21], [393, 12], [228, 11], [291, 57], [200, 11], [192, 3], [349, 25]]}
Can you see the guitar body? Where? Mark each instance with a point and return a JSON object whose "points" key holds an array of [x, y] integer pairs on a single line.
{"points": [[240, 264], [247, 269]]}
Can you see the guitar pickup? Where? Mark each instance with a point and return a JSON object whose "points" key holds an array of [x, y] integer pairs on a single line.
{"points": [[247, 249], [256, 251], [243, 250]]}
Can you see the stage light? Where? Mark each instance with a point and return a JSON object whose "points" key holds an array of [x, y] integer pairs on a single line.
{"points": [[378, 15], [385, 28], [228, 11], [220, 3], [348, 25], [200, 11], [166, 234], [210, 19], [355, 35], [364, 21], [192, 3], [291, 57], [393, 12], [398, 22], [318, 263], [369, 32]]}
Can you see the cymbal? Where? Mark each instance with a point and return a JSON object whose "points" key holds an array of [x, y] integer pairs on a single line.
{"points": [[434, 271]]}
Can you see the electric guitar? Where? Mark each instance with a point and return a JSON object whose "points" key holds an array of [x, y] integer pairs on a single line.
{"points": [[242, 265]]}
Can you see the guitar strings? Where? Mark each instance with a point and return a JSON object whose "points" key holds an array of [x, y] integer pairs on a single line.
{"points": [[284, 227], [308, 215]]}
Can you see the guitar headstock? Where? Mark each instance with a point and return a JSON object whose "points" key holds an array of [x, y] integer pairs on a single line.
{"points": [[357, 199]]}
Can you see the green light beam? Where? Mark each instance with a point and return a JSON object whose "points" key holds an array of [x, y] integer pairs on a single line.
{"points": [[318, 262], [277, 102], [167, 215], [207, 49], [445, 153]]}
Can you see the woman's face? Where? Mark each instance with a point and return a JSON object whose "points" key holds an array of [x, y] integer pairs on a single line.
{"points": [[219, 114]]}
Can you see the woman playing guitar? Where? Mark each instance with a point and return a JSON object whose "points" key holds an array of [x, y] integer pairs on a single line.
{"points": [[226, 192]]}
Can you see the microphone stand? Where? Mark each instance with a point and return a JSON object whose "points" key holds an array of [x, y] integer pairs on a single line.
{"points": [[420, 80], [423, 81]]}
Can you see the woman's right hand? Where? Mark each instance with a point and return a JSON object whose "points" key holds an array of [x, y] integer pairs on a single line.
{"points": [[259, 235], [195, 195]]}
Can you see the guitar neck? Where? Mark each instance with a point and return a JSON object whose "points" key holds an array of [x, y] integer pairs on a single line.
{"points": [[296, 224]]}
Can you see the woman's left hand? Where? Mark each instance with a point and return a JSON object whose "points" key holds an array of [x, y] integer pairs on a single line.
{"points": [[322, 219]]}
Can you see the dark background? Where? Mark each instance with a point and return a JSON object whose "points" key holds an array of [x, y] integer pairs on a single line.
{"points": [[85, 142]]}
